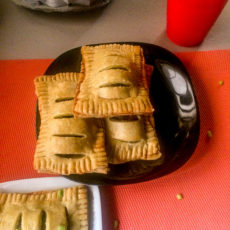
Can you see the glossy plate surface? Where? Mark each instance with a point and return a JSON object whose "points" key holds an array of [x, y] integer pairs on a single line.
{"points": [[176, 117]]}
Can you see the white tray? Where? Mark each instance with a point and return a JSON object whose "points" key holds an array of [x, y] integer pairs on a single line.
{"points": [[51, 183]]}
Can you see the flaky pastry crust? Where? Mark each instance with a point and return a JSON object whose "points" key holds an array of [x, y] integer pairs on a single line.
{"points": [[113, 82], [66, 145]]}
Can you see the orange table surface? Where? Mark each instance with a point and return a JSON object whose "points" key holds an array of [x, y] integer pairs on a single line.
{"points": [[204, 180]]}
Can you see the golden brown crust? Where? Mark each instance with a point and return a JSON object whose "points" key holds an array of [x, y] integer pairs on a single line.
{"points": [[113, 82], [130, 140], [66, 145], [67, 207]]}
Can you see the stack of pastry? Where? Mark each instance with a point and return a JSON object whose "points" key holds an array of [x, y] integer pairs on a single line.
{"points": [[99, 116]]}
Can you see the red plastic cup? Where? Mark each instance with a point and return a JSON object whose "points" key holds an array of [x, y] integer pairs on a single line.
{"points": [[188, 21]]}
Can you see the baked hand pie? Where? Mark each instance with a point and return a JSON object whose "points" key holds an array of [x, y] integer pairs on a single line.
{"points": [[131, 138], [51, 210], [66, 145], [113, 82]]}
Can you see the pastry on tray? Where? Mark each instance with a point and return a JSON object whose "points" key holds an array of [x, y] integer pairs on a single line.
{"points": [[113, 82], [66, 145], [51, 210], [131, 138]]}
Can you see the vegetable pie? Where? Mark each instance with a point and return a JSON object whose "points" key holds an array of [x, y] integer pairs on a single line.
{"points": [[112, 83], [51, 210], [130, 138], [66, 145]]}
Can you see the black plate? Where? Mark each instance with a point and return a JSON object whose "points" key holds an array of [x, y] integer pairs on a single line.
{"points": [[176, 117]]}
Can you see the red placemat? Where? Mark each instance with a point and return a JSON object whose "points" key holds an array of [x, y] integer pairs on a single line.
{"points": [[204, 180], [17, 117]]}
